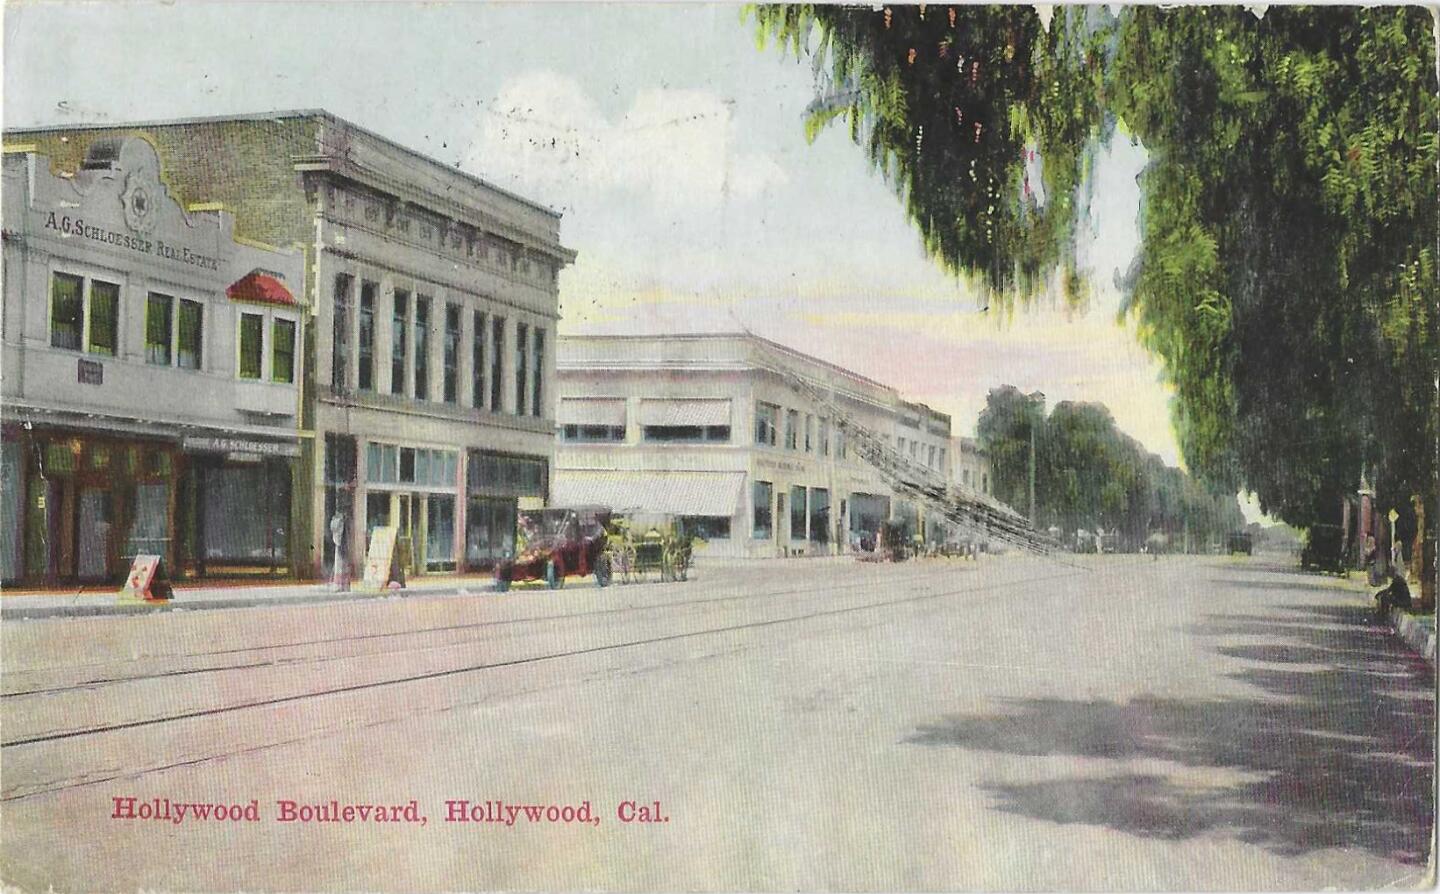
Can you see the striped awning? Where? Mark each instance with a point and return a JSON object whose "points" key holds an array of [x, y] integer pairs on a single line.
{"points": [[693, 411], [680, 493], [591, 411]]}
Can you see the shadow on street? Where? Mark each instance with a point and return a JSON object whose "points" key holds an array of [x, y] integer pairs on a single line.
{"points": [[1340, 734]]}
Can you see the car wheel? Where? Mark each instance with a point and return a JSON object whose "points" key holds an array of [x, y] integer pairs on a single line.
{"points": [[602, 571], [554, 578]]}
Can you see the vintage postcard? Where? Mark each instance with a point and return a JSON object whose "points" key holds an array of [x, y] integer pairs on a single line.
{"points": [[703, 447]]}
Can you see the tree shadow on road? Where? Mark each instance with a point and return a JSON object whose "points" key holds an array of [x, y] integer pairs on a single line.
{"points": [[1335, 750]]}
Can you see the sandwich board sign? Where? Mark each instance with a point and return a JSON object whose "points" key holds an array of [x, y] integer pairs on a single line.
{"points": [[380, 559], [147, 580]]}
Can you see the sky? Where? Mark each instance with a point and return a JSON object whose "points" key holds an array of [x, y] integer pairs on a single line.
{"points": [[672, 145]]}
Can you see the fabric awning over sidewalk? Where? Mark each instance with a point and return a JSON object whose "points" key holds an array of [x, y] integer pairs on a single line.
{"points": [[681, 493]]}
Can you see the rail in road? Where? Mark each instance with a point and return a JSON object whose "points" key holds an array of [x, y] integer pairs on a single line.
{"points": [[46, 752]]}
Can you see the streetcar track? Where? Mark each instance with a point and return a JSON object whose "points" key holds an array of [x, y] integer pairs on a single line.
{"points": [[99, 682], [450, 672]]}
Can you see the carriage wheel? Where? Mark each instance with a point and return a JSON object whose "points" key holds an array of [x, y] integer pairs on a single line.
{"points": [[603, 571]]}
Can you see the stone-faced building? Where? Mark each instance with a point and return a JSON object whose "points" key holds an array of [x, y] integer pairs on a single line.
{"points": [[427, 390], [150, 362], [708, 427]]}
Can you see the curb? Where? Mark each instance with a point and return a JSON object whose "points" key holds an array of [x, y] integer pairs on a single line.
{"points": [[1413, 633], [23, 613]]}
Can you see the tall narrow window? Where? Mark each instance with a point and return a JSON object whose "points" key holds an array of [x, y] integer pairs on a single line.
{"points": [[792, 429], [538, 391], [252, 337], [422, 347], [365, 376], [452, 353], [282, 351], [67, 311], [340, 346], [497, 363], [158, 327], [763, 498], [399, 341], [477, 362], [104, 317], [191, 335], [522, 350]]}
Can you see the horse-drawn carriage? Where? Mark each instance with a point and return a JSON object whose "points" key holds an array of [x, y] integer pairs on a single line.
{"points": [[642, 543]]}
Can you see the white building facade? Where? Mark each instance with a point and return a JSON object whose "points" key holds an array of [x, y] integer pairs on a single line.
{"points": [[150, 377], [707, 427]]}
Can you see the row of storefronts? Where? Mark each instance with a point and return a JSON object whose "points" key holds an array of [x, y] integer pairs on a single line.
{"points": [[246, 374]]}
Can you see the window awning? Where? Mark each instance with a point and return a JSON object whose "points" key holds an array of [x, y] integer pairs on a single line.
{"points": [[591, 411], [260, 288], [680, 493], [703, 411]]}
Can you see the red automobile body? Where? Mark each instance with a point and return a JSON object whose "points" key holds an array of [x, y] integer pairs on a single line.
{"points": [[572, 538]]}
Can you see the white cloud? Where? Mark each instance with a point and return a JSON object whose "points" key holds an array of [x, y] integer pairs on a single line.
{"points": [[676, 150]]}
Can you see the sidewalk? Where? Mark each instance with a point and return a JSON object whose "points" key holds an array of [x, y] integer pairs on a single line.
{"points": [[1416, 630], [91, 602]]}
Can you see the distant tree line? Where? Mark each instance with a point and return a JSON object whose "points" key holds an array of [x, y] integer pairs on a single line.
{"points": [[1089, 475]]}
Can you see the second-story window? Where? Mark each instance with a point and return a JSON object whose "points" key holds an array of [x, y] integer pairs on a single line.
{"points": [[477, 362], [522, 350], [497, 360], [252, 345], [190, 329], [158, 328], [422, 347], [104, 317], [365, 376], [340, 332], [824, 437], [809, 432], [451, 359], [792, 429], [67, 311], [537, 392], [399, 341], [766, 419], [282, 351]]}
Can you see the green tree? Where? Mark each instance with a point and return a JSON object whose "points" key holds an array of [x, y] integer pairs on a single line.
{"points": [[1286, 275]]}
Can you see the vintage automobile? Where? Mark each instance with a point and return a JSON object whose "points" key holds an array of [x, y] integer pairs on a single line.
{"points": [[553, 544], [1240, 542]]}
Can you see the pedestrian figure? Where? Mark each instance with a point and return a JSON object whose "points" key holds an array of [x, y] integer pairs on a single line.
{"points": [[340, 573]]}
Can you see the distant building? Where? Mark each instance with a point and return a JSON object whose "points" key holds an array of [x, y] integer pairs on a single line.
{"points": [[970, 468], [706, 427], [431, 299], [150, 363]]}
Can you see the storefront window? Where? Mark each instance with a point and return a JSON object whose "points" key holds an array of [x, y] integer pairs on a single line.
{"points": [[797, 513], [252, 334], [377, 514], [282, 352], [763, 496], [489, 529], [149, 532], [158, 323], [190, 335], [104, 317], [247, 514], [340, 460], [11, 495], [440, 532], [67, 311], [706, 527], [819, 515]]}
